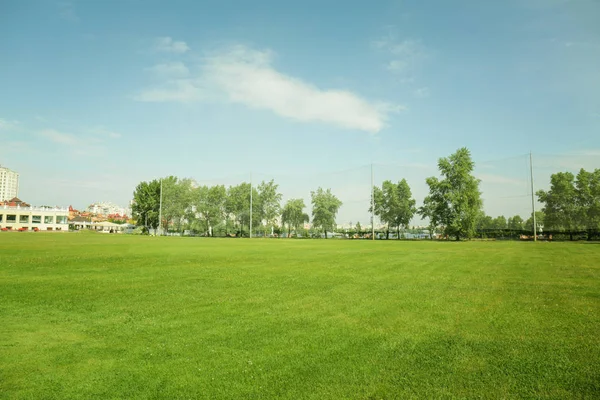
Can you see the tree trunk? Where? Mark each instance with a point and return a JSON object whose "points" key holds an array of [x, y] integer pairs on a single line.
{"points": [[571, 235], [457, 237], [387, 233], [325, 233], [398, 231]]}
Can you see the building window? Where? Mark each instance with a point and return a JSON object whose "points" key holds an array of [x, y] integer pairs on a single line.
{"points": [[23, 219], [11, 219], [61, 219], [1, 217], [49, 219], [36, 219]]}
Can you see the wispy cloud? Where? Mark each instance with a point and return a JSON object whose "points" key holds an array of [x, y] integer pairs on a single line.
{"points": [[247, 76], [67, 12], [169, 70], [172, 90], [168, 45], [104, 133], [6, 125], [402, 54], [421, 92], [60, 137]]}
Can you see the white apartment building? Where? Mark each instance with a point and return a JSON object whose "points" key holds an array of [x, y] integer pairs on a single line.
{"points": [[106, 207], [9, 184], [29, 218]]}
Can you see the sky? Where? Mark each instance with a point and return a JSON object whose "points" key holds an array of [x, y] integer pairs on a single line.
{"points": [[96, 96]]}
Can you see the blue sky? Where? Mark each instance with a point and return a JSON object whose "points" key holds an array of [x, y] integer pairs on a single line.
{"points": [[97, 96]]}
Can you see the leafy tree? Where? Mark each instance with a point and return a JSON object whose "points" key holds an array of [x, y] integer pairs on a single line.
{"points": [[237, 205], [485, 222], [561, 207], [268, 202], [499, 223], [455, 201], [293, 214], [325, 207], [515, 223], [358, 228], [210, 205], [177, 202], [427, 210], [394, 204], [146, 201], [539, 221], [588, 199]]}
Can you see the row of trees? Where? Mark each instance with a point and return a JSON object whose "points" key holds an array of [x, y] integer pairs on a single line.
{"points": [[572, 204], [453, 206], [210, 209]]}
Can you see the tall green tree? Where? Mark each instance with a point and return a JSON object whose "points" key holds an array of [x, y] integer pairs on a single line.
{"points": [[325, 207], [177, 202], [145, 207], [588, 199], [394, 204], [210, 205], [539, 222], [268, 204], [561, 208], [237, 205], [427, 210], [455, 200], [515, 223], [293, 215], [485, 222], [500, 223]]}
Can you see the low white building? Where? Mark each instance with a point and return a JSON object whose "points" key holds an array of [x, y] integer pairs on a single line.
{"points": [[29, 218]]}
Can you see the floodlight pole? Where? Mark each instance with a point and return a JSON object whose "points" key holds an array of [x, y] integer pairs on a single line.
{"points": [[372, 206], [250, 205], [160, 211], [532, 198]]}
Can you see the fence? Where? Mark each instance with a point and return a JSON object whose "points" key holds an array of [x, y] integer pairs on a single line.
{"points": [[505, 185]]}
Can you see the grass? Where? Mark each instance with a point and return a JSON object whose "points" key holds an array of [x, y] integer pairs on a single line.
{"points": [[106, 316]]}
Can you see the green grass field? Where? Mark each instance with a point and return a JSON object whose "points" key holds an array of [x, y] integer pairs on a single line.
{"points": [[106, 316]]}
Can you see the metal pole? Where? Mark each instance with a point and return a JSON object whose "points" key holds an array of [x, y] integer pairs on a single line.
{"points": [[532, 198], [372, 206], [250, 205], [160, 211]]}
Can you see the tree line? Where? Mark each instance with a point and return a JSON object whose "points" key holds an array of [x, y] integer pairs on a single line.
{"points": [[453, 207], [220, 210]]}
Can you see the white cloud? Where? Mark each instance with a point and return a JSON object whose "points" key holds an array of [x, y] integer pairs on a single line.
{"points": [[168, 45], [403, 54], [67, 12], [6, 125], [422, 92], [105, 133], [169, 70], [246, 76], [59, 137], [396, 66], [177, 90]]}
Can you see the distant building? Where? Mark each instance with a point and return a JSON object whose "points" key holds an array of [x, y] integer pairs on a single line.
{"points": [[18, 215], [106, 208], [9, 184]]}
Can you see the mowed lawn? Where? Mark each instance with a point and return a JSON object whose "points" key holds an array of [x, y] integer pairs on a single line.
{"points": [[110, 316]]}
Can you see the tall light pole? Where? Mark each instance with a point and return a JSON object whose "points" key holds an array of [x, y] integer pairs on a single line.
{"points": [[160, 211], [372, 206], [532, 199], [250, 205]]}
